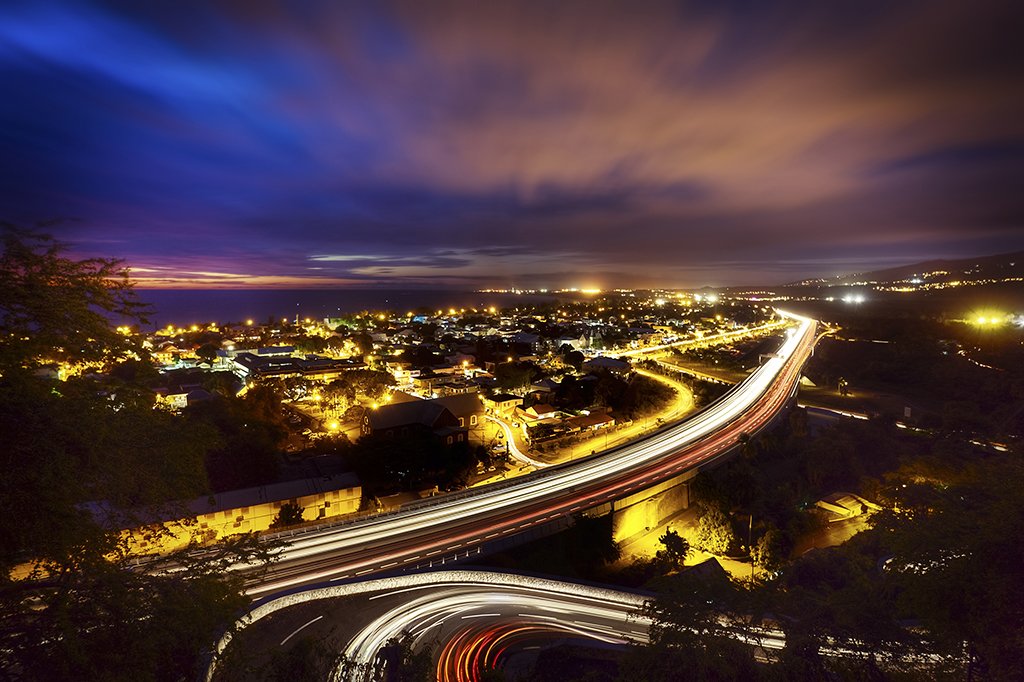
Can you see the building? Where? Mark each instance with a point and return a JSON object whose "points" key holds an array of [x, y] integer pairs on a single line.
{"points": [[414, 417], [468, 408], [605, 363], [589, 422], [280, 366], [502, 404], [182, 398], [537, 411], [254, 509]]}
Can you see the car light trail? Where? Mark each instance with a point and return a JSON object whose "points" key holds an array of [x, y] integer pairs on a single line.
{"points": [[476, 614], [465, 519], [478, 618]]}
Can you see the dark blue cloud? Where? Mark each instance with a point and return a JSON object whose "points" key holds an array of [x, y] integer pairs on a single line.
{"points": [[460, 139]]}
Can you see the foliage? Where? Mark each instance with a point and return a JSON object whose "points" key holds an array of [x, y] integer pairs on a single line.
{"points": [[338, 395], [250, 431], [696, 625], [929, 363], [771, 550], [66, 444], [207, 352], [591, 542], [631, 398], [411, 462], [371, 383], [413, 665], [289, 515], [94, 608], [643, 396], [930, 592], [954, 555], [714, 532], [55, 309], [676, 549], [515, 375], [573, 358], [83, 458]]}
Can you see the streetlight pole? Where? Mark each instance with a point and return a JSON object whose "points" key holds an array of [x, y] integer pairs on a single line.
{"points": [[750, 546]]}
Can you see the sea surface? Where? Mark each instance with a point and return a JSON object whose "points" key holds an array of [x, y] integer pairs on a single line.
{"points": [[183, 307]]}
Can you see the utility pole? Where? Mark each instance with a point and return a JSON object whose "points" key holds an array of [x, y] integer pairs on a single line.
{"points": [[750, 547]]}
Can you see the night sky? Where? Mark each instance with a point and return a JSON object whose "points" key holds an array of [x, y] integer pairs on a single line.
{"points": [[531, 144]]}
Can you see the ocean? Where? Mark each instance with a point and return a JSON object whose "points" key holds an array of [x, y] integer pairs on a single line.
{"points": [[182, 307]]}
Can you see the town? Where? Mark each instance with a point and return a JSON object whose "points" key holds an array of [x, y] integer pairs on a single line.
{"points": [[351, 403]]}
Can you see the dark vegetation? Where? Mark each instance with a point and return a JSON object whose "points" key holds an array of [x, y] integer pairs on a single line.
{"points": [[963, 378], [704, 392], [73, 609], [632, 397], [740, 356], [416, 461], [929, 591], [250, 432], [581, 552]]}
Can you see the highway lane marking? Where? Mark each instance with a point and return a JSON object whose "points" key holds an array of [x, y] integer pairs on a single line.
{"points": [[780, 398], [298, 629], [596, 626]]}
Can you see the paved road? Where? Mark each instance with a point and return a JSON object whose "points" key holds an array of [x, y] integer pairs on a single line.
{"points": [[478, 619], [424, 533]]}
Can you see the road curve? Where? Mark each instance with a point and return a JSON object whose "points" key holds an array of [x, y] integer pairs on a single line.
{"points": [[476, 618], [424, 533]]}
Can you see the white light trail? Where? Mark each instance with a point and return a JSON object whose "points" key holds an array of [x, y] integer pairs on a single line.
{"points": [[466, 518]]}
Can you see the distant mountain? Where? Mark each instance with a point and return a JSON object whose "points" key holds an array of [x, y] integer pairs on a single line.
{"points": [[998, 268]]}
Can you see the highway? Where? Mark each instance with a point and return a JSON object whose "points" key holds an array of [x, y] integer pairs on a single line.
{"points": [[430, 532], [702, 341], [478, 620]]}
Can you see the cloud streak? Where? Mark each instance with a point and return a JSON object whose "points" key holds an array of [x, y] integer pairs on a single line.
{"points": [[515, 143]]}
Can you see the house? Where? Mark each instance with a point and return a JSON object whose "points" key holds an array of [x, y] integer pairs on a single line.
{"points": [[605, 363], [502, 404], [574, 342], [176, 400], [531, 341], [537, 411], [414, 416], [468, 408], [265, 366], [275, 351], [167, 353], [545, 385], [589, 422], [278, 365], [461, 360]]}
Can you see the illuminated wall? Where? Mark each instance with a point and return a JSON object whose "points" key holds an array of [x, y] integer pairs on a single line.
{"points": [[255, 517]]}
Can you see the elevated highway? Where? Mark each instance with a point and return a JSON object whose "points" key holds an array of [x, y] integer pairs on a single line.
{"points": [[426, 533]]}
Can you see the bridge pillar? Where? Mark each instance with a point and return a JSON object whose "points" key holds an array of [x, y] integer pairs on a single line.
{"points": [[638, 513]]}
